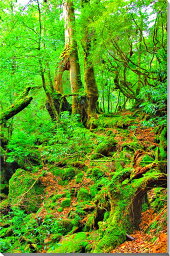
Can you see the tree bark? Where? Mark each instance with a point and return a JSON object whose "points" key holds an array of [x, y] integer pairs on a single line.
{"points": [[69, 58], [63, 65], [75, 78], [89, 76]]}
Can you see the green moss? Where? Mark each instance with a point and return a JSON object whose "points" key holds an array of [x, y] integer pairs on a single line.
{"points": [[66, 203], [113, 236], [78, 212], [162, 153], [159, 199], [55, 238], [89, 223], [106, 216], [109, 133], [57, 171], [66, 226], [79, 180], [124, 122], [68, 173], [63, 182], [105, 147], [79, 177], [121, 175], [95, 172], [83, 195], [163, 144], [95, 156], [3, 186], [58, 196], [72, 244], [4, 204], [94, 190], [60, 209], [25, 191], [145, 206], [115, 121], [163, 136]]}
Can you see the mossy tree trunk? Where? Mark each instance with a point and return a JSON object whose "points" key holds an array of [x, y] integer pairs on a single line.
{"points": [[63, 65], [91, 87], [23, 101], [75, 78], [89, 76], [69, 57], [54, 113], [126, 206]]}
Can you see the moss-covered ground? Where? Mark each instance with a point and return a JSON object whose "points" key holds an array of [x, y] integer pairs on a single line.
{"points": [[110, 183]]}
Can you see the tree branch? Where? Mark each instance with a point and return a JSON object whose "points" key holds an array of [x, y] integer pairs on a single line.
{"points": [[15, 109]]}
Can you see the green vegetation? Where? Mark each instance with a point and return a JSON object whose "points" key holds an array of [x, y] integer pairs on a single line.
{"points": [[25, 191], [83, 124]]}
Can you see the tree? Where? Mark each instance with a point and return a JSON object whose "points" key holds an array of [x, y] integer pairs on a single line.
{"points": [[69, 57], [89, 76]]}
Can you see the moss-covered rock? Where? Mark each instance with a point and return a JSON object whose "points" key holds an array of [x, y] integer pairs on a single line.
{"points": [[72, 244], [114, 121], [25, 190], [66, 226], [105, 147], [114, 236]]}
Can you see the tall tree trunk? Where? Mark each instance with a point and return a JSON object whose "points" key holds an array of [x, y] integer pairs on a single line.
{"points": [[89, 77], [69, 58], [75, 78]]}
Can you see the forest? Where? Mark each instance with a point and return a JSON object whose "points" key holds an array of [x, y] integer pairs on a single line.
{"points": [[83, 126]]}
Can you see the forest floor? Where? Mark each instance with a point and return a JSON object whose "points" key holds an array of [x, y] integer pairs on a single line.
{"points": [[143, 242], [133, 143]]}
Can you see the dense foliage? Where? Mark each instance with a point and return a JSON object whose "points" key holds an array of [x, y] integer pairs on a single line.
{"points": [[83, 124]]}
